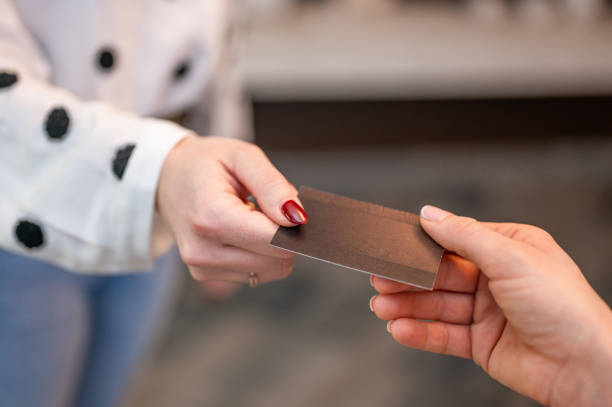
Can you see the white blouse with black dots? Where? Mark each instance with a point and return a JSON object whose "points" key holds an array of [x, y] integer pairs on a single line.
{"points": [[79, 162]]}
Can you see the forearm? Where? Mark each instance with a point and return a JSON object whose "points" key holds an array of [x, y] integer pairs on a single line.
{"points": [[79, 190]]}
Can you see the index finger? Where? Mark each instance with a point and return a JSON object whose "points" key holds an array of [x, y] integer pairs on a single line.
{"points": [[455, 274], [245, 227]]}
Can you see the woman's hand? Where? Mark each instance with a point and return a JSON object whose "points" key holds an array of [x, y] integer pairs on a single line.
{"points": [[513, 301], [202, 194]]}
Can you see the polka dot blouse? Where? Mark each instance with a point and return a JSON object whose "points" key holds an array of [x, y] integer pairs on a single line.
{"points": [[79, 162]]}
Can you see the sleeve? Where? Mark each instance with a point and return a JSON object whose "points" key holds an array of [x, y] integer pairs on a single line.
{"points": [[77, 179], [224, 108], [232, 115]]}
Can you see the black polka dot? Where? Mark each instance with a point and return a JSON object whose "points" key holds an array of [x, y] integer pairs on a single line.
{"points": [[182, 71], [29, 234], [8, 79], [122, 156], [57, 124], [106, 59]]}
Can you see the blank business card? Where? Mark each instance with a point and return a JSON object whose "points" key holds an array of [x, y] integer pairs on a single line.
{"points": [[363, 237]]}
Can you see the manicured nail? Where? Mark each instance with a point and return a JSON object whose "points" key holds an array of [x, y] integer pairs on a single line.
{"points": [[294, 213], [372, 303], [389, 326], [372, 281], [433, 213]]}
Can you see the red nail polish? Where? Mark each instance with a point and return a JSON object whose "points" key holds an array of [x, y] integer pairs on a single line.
{"points": [[294, 213]]}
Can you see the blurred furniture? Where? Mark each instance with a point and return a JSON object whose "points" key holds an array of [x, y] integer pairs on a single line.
{"points": [[326, 73], [383, 49]]}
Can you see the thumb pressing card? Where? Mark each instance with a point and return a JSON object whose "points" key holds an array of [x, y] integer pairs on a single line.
{"points": [[363, 237]]}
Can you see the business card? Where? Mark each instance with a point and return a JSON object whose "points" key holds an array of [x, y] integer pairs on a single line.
{"points": [[365, 237]]}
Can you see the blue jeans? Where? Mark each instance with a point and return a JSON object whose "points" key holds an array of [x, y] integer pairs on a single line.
{"points": [[74, 340]]}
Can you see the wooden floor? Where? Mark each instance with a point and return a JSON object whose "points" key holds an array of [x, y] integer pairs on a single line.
{"points": [[312, 341]]}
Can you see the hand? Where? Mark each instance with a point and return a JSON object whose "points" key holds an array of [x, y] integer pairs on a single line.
{"points": [[202, 194], [513, 301]]}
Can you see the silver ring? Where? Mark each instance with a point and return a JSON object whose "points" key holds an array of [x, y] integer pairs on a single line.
{"points": [[253, 280]]}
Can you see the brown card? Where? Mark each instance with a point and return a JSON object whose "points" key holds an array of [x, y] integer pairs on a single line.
{"points": [[364, 237]]}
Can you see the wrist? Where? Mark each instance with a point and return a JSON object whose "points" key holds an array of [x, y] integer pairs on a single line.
{"points": [[586, 381], [168, 167]]}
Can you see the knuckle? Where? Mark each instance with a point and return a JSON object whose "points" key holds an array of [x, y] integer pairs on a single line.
{"points": [[254, 149], [438, 306], [188, 254], [529, 231], [196, 257], [245, 151], [217, 210], [197, 274], [393, 309], [543, 234], [274, 182], [199, 224], [437, 338], [205, 224], [514, 230], [200, 228], [466, 226], [444, 340]]}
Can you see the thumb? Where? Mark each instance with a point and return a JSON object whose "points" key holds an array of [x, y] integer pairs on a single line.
{"points": [[467, 237], [276, 197]]}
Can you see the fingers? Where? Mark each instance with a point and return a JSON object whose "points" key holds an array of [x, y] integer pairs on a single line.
{"points": [[251, 230], [435, 306], [242, 260], [206, 274], [231, 221], [209, 259], [237, 264], [468, 238], [529, 234], [437, 337], [385, 286], [275, 195], [209, 274], [455, 274]]}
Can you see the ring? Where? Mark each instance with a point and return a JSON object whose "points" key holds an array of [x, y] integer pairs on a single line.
{"points": [[253, 280]]}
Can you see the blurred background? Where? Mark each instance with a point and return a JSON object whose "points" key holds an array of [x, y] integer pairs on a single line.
{"points": [[496, 109]]}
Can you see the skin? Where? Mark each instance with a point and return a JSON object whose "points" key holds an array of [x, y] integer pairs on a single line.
{"points": [[508, 297], [201, 196]]}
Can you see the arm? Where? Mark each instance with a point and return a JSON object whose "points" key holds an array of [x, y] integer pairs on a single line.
{"points": [[78, 179], [512, 300], [81, 181]]}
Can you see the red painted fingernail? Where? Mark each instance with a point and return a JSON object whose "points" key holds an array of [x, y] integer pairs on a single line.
{"points": [[294, 213]]}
